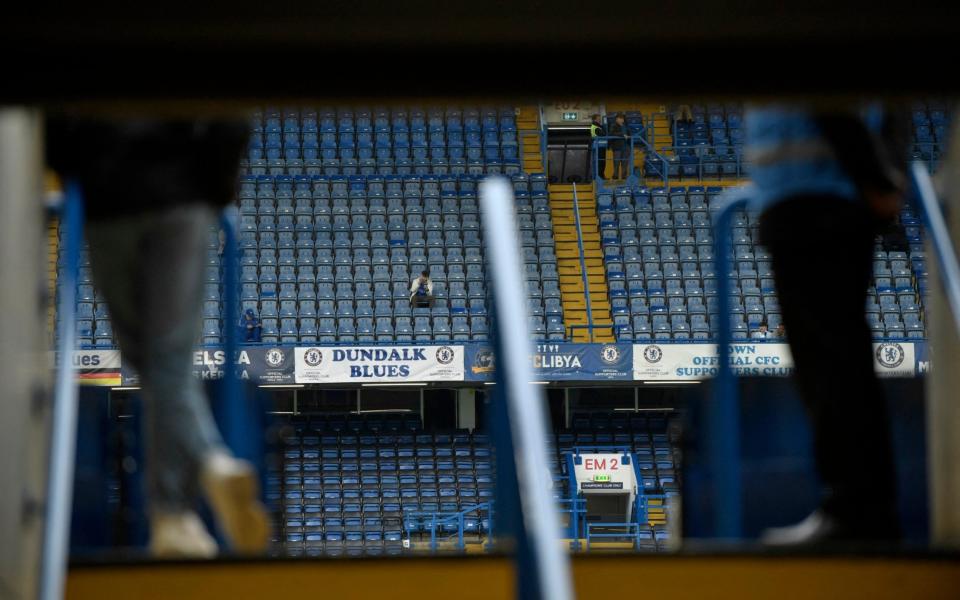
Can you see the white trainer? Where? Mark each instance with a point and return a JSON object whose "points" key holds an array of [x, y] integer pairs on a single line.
{"points": [[233, 491], [180, 535]]}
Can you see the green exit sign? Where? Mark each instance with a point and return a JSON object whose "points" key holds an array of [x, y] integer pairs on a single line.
{"points": [[601, 478], [569, 116]]}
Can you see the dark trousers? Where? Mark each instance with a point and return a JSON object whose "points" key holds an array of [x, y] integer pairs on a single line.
{"points": [[821, 249], [621, 167], [601, 161]]}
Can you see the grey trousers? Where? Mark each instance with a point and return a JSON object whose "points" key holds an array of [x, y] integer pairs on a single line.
{"points": [[150, 270]]}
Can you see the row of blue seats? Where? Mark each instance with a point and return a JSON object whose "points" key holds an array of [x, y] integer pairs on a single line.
{"points": [[456, 167], [289, 120], [343, 183], [396, 256]]}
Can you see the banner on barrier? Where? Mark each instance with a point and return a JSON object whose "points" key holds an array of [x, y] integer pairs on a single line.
{"points": [[96, 367], [264, 366], [561, 362], [680, 362], [379, 364]]}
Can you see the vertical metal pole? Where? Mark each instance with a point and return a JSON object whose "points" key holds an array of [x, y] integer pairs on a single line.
{"points": [[543, 568], [943, 411], [56, 538], [423, 420], [723, 430], [358, 400], [636, 399], [24, 353], [566, 407]]}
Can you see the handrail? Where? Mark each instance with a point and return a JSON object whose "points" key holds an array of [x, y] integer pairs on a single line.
{"points": [[630, 531], [723, 432], [56, 532], [542, 126], [583, 262], [651, 148], [700, 156], [939, 238]]}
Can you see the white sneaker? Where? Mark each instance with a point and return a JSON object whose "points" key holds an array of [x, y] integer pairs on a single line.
{"points": [[232, 489], [180, 535], [813, 529]]}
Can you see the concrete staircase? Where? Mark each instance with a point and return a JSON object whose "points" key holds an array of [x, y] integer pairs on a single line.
{"points": [[528, 132], [568, 261], [53, 247]]}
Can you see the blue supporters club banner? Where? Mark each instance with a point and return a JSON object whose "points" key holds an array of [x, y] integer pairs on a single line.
{"points": [[260, 364], [560, 362]]}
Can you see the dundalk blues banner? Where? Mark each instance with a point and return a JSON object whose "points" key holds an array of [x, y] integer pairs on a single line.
{"points": [[688, 362], [561, 362], [378, 364]]}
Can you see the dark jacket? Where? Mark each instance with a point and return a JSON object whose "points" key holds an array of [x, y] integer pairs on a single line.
{"points": [[132, 166], [620, 133]]}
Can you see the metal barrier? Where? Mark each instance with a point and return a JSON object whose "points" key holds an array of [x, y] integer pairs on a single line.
{"points": [[56, 534], [939, 238], [630, 532], [723, 431], [583, 262]]}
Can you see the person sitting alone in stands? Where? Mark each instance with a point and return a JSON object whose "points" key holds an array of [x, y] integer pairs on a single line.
{"points": [[421, 291], [763, 332], [780, 332], [250, 327]]}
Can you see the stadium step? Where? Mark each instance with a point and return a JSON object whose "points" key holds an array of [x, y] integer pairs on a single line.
{"points": [[528, 130], [53, 249], [572, 292], [53, 189]]}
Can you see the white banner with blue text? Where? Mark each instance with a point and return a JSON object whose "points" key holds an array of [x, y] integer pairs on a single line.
{"points": [[378, 364], [690, 362]]}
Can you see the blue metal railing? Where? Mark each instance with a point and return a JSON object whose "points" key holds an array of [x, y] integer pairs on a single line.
{"points": [[583, 262], [544, 156], [619, 531], [438, 522], [706, 153], [600, 144], [56, 533], [939, 238], [723, 432]]}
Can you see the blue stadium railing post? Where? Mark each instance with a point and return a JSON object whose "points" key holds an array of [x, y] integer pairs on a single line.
{"points": [[56, 534], [237, 419], [543, 569], [723, 417], [939, 238]]}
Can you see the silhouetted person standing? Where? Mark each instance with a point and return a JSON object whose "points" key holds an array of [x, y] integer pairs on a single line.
{"points": [[597, 133], [153, 190], [826, 181]]}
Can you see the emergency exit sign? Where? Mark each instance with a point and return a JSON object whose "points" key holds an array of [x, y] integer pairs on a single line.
{"points": [[569, 116], [601, 478]]}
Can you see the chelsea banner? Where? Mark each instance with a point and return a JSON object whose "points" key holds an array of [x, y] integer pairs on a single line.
{"points": [[686, 362], [378, 364], [561, 362]]}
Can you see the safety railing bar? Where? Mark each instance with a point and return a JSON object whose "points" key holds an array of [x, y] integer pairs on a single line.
{"points": [[56, 533], [723, 432], [543, 570], [583, 262], [939, 238]]}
